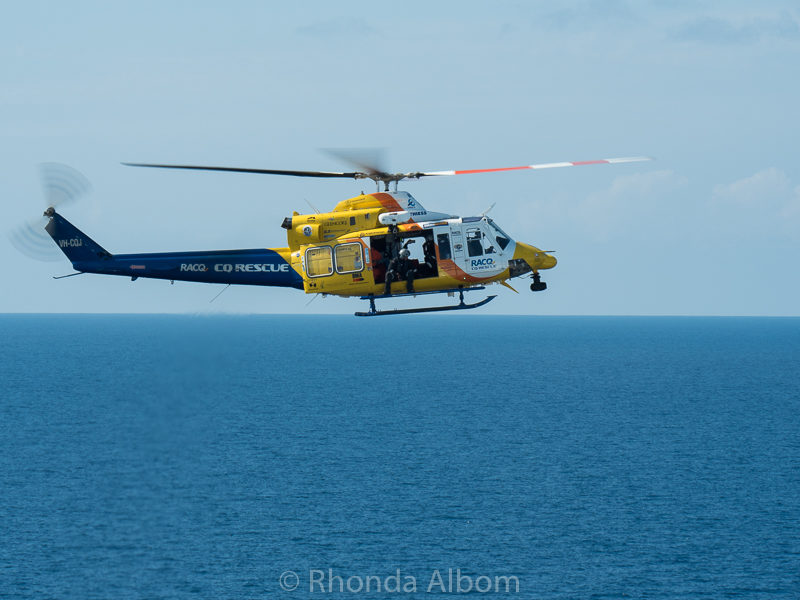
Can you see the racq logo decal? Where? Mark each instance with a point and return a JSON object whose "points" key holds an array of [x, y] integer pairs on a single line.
{"points": [[479, 264], [195, 267]]}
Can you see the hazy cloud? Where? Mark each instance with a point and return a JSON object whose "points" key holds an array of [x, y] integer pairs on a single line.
{"points": [[591, 14], [342, 27], [638, 202], [764, 203], [716, 30], [764, 187]]}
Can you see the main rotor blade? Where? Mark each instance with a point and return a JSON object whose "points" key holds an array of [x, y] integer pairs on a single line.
{"points": [[610, 161], [369, 160], [353, 175]]}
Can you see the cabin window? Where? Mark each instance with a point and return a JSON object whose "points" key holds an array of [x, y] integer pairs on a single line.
{"points": [[443, 241], [474, 246], [319, 261], [349, 258]]}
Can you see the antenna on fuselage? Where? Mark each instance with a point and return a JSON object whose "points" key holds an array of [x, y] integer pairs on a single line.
{"points": [[314, 208], [220, 293], [486, 212]]}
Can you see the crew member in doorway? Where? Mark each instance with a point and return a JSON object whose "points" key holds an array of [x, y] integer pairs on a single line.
{"points": [[393, 242], [429, 250], [399, 269], [391, 249]]}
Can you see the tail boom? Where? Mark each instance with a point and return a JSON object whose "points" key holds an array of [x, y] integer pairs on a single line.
{"points": [[259, 266]]}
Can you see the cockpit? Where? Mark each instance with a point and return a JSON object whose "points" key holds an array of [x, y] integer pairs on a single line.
{"points": [[500, 236], [483, 237]]}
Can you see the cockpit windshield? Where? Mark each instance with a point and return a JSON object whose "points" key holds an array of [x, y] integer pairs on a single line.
{"points": [[499, 235]]}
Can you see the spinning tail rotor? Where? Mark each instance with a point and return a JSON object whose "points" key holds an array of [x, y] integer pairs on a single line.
{"points": [[62, 185]]}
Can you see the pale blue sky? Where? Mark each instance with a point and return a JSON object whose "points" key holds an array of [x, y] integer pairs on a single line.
{"points": [[711, 89]]}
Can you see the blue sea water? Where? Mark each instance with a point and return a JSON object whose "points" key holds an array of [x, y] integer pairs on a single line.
{"points": [[223, 457]]}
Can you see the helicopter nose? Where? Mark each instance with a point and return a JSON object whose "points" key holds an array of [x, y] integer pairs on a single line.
{"points": [[549, 261], [536, 259]]}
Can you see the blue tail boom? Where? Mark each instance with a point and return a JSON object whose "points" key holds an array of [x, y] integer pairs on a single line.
{"points": [[259, 266]]}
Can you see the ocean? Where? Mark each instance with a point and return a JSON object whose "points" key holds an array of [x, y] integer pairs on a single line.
{"points": [[423, 456]]}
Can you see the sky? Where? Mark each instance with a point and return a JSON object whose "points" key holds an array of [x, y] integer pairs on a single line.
{"points": [[709, 89]]}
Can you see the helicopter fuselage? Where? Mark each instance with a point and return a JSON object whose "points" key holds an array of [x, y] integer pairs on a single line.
{"points": [[346, 252]]}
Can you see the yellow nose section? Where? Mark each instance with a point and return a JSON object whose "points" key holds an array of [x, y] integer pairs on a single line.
{"points": [[536, 259]]}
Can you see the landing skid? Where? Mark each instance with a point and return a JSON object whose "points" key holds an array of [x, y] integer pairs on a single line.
{"points": [[373, 312]]}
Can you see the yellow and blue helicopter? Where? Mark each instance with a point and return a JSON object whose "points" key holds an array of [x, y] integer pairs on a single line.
{"points": [[373, 246]]}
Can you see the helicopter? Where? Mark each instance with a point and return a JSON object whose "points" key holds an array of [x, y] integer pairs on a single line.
{"points": [[373, 246]]}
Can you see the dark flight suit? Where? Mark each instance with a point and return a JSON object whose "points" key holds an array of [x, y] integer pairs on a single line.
{"points": [[399, 269], [429, 250]]}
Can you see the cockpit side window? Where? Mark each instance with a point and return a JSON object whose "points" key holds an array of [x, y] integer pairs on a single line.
{"points": [[474, 246], [488, 247], [499, 236]]}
